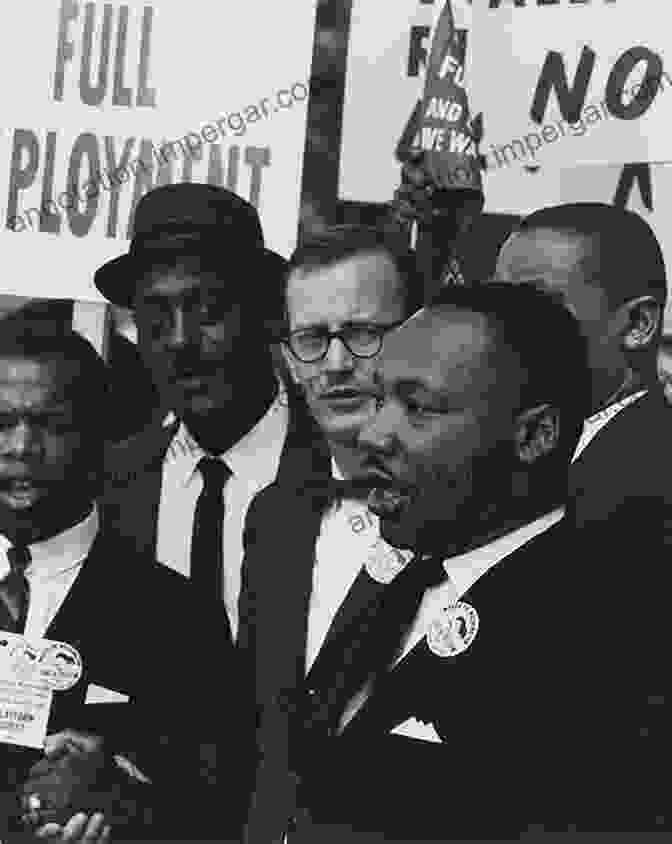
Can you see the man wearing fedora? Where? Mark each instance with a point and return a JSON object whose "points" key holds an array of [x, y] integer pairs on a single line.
{"points": [[206, 293]]}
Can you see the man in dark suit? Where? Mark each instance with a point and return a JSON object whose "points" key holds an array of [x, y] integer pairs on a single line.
{"points": [[206, 296], [484, 692], [606, 265], [150, 704]]}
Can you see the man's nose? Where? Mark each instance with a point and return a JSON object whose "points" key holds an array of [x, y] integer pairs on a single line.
{"points": [[23, 440], [338, 357], [181, 330]]}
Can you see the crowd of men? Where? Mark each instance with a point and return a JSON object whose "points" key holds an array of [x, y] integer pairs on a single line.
{"points": [[368, 573]]}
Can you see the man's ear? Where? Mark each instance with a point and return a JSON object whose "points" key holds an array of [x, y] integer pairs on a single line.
{"points": [[290, 363], [642, 318], [537, 432]]}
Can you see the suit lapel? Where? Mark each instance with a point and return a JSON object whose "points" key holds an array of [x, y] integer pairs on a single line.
{"points": [[133, 475], [280, 570], [363, 592]]}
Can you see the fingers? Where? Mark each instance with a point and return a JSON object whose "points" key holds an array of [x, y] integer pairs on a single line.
{"points": [[59, 744], [80, 828], [49, 830]]}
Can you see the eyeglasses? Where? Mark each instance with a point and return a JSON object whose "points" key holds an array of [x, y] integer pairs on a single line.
{"points": [[362, 339]]}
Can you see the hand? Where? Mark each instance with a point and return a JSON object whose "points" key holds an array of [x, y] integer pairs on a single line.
{"points": [[413, 198], [65, 780], [89, 829]]}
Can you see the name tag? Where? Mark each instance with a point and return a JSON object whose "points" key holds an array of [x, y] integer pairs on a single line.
{"points": [[31, 672], [412, 728]]}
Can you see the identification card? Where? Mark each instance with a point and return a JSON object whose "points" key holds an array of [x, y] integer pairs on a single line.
{"points": [[30, 672]]}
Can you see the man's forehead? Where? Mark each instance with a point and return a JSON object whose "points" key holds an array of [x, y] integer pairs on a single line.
{"points": [[439, 347], [542, 253], [175, 282], [365, 280]]}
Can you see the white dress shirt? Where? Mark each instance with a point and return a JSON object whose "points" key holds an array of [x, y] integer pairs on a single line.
{"points": [[253, 461], [594, 424], [347, 533], [54, 566]]}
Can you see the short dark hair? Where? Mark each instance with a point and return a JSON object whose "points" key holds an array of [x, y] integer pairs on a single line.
{"points": [[628, 261], [547, 343], [42, 330], [338, 243]]}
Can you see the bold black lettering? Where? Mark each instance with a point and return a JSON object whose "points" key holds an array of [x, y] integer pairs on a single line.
{"points": [[631, 173], [80, 222], [64, 48], [21, 177], [49, 222], [641, 102], [553, 75], [121, 95], [256, 158], [91, 95], [146, 96], [417, 52], [114, 166]]}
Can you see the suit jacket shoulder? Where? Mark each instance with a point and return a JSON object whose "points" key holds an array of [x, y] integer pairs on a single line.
{"points": [[624, 473]]}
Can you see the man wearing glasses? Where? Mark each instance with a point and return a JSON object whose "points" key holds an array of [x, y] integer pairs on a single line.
{"points": [[345, 290]]}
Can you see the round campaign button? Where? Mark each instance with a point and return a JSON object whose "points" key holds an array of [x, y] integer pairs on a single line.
{"points": [[453, 630], [384, 562], [60, 666]]}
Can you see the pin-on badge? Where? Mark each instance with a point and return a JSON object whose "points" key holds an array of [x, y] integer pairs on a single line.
{"points": [[385, 562], [453, 630]]}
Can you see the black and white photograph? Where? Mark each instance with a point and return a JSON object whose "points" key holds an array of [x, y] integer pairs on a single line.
{"points": [[335, 408]]}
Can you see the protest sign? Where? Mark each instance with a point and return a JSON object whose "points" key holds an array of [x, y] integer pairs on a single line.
{"points": [[595, 73], [387, 54], [103, 101]]}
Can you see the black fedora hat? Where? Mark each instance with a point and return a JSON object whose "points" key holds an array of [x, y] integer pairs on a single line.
{"points": [[190, 219]]}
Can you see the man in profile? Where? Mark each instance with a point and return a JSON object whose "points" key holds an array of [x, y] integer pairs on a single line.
{"points": [[605, 264]]}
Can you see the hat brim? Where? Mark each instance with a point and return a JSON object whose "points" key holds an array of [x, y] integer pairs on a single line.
{"points": [[117, 279]]}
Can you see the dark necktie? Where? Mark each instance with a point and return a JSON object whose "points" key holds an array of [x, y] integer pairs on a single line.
{"points": [[15, 591], [363, 648], [206, 540]]}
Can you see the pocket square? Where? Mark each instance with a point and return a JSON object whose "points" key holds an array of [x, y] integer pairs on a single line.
{"points": [[412, 728], [99, 694]]}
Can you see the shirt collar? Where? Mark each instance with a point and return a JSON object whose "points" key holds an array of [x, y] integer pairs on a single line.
{"points": [[594, 424], [465, 569], [60, 552], [254, 458]]}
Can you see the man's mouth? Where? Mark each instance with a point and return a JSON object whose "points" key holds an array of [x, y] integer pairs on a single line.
{"points": [[344, 395]]}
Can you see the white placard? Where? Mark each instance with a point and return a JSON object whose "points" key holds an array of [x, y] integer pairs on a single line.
{"points": [[90, 86], [565, 82]]}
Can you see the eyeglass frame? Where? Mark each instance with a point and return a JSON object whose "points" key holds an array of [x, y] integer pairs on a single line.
{"points": [[381, 331]]}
